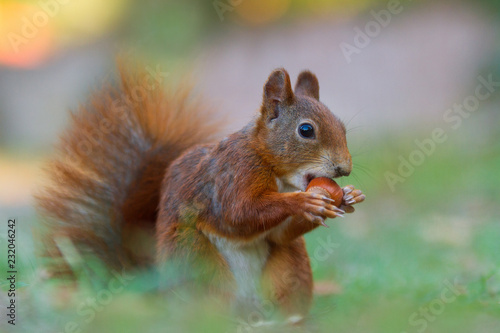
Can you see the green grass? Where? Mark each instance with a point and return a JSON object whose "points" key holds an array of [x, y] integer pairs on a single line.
{"points": [[391, 258]]}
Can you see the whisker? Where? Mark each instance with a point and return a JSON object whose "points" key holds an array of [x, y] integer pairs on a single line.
{"points": [[354, 116], [366, 170], [359, 153], [354, 128], [326, 159], [367, 173], [356, 178], [361, 166]]}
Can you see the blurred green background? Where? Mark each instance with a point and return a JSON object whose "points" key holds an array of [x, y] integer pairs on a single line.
{"points": [[422, 254]]}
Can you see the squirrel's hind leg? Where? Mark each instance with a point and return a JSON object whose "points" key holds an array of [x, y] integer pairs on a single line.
{"points": [[287, 280]]}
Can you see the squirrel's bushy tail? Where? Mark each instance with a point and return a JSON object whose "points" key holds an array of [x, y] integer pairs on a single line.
{"points": [[103, 187]]}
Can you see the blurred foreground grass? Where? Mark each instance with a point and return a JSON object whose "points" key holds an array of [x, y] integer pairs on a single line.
{"points": [[424, 258]]}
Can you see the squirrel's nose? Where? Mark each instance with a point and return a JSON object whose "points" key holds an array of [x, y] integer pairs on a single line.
{"points": [[343, 170]]}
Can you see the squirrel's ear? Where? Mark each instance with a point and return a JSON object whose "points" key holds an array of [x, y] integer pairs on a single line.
{"points": [[307, 84], [277, 91]]}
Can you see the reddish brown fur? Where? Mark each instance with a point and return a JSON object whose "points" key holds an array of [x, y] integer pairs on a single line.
{"points": [[229, 191], [287, 277], [225, 191], [101, 197]]}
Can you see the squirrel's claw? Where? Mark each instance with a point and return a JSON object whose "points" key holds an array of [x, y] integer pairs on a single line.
{"points": [[328, 199], [315, 219], [352, 196], [316, 208], [322, 222]]}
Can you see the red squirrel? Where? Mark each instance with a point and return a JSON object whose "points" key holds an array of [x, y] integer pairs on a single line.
{"points": [[137, 171]]}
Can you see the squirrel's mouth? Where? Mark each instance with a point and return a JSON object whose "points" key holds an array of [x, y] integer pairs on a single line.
{"points": [[307, 179], [310, 176]]}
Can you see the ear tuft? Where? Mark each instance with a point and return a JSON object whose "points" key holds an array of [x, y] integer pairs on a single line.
{"points": [[277, 91], [308, 85]]}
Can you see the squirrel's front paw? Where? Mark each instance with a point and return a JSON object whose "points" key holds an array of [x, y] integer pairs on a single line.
{"points": [[316, 208], [351, 197]]}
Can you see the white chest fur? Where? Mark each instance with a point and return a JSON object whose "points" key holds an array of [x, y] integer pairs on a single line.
{"points": [[246, 261], [284, 187]]}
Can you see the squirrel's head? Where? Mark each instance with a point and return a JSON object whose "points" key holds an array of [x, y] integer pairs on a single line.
{"points": [[304, 138]]}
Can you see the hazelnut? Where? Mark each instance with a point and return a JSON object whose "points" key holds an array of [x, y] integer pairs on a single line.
{"points": [[327, 187]]}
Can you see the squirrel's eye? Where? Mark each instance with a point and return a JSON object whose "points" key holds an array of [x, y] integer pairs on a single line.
{"points": [[306, 131]]}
